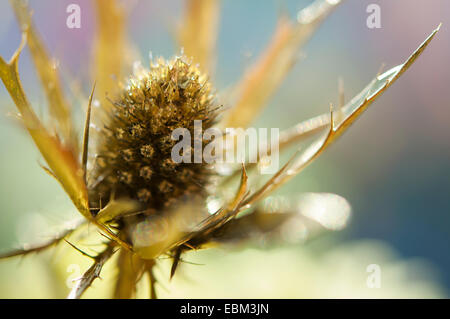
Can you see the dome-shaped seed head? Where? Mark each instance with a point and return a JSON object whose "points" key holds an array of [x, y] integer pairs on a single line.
{"points": [[134, 148]]}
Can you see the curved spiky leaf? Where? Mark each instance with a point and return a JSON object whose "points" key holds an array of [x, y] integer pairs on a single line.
{"points": [[60, 159], [350, 113], [48, 74]]}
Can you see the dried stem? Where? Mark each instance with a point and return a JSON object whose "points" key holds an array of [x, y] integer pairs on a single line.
{"points": [[92, 273], [36, 248], [152, 280], [130, 268]]}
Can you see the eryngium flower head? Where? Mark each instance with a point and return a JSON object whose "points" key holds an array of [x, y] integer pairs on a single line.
{"points": [[134, 157]]}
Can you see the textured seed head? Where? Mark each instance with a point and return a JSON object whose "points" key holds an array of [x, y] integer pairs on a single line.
{"points": [[134, 148]]}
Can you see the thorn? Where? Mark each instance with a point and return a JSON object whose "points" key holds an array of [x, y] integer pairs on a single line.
{"points": [[79, 250], [244, 171], [22, 45], [105, 236], [176, 260], [86, 134], [190, 246], [48, 171]]}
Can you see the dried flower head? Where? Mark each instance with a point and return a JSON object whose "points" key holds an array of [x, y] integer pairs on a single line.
{"points": [[126, 182], [135, 144]]}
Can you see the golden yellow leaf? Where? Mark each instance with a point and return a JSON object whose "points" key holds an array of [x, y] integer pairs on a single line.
{"points": [[350, 113], [266, 75], [198, 32], [60, 159], [48, 74], [109, 49]]}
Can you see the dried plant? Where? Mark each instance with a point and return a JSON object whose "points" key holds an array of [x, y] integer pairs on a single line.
{"points": [[144, 204]]}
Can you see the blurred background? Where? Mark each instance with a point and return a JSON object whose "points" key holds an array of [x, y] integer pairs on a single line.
{"points": [[393, 165]]}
